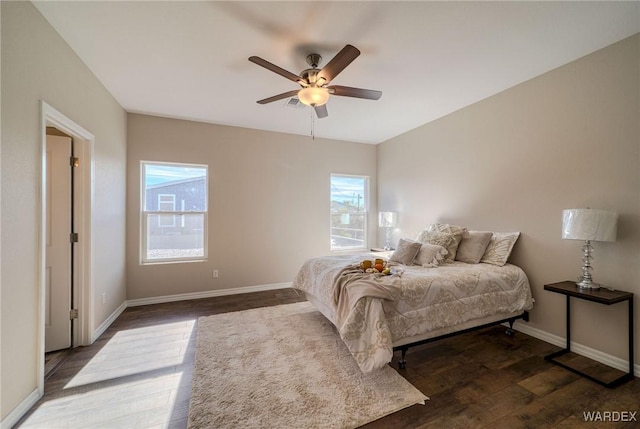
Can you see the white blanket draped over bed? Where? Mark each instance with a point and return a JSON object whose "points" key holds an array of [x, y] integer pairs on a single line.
{"points": [[372, 312]]}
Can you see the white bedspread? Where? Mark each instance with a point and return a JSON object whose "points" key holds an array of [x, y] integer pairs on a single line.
{"points": [[424, 299]]}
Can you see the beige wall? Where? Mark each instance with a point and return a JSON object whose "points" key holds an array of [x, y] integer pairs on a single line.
{"points": [[567, 139], [38, 65], [268, 201]]}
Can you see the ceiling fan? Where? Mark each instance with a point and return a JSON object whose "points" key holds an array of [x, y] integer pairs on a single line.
{"points": [[315, 91]]}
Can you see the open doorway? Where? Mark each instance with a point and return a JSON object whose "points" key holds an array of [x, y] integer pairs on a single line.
{"points": [[66, 258]]}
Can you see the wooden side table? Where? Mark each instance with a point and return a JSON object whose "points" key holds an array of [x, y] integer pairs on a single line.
{"points": [[601, 296]]}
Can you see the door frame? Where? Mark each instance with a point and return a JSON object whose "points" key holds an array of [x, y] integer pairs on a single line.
{"points": [[84, 143]]}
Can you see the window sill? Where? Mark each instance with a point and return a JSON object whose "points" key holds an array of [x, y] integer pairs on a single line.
{"points": [[144, 263]]}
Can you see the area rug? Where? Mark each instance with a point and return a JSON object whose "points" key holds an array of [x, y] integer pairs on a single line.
{"points": [[286, 367]]}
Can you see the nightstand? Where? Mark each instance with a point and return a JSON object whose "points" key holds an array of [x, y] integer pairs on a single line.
{"points": [[601, 296]]}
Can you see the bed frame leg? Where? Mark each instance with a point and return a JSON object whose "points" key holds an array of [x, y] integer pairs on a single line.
{"points": [[510, 330], [402, 363]]}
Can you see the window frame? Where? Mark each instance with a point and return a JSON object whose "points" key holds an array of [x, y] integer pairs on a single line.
{"points": [[365, 213], [146, 214]]}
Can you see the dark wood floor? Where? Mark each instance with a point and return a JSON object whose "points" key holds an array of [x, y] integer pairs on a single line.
{"points": [[138, 375]]}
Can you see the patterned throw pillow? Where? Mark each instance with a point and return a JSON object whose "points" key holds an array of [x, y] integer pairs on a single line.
{"points": [[406, 252], [430, 255], [454, 230], [444, 239], [500, 248], [473, 246]]}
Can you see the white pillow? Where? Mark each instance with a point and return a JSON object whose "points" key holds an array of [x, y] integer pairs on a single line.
{"points": [[430, 255], [455, 231], [445, 239], [500, 248]]}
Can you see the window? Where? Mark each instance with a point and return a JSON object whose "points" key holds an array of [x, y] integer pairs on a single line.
{"points": [[349, 201], [174, 212], [166, 203]]}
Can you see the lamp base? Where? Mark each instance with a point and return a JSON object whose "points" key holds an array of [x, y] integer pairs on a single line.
{"points": [[585, 281], [587, 284]]}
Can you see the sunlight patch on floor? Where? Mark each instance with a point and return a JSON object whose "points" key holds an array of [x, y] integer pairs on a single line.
{"points": [[134, 381], [136, 404], [137, 351]]}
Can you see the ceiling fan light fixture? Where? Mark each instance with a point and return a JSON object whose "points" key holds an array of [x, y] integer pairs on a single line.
{"points": [[313, 96]]}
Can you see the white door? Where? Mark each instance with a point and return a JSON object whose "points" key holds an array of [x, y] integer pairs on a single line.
{"points": [[58, 251]]}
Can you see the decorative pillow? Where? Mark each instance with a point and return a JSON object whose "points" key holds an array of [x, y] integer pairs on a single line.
{"points": [[454, 230], [444, 239], [472, 246], [444, 228], [430, 255], [406, 252], [500, 248]]}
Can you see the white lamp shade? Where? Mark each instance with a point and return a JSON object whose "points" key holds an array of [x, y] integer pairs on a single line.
{"points": [[589, 224], [313, 96], [387, 219]]}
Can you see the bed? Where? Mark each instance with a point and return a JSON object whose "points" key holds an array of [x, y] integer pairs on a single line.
{"points": [[377, 314]]}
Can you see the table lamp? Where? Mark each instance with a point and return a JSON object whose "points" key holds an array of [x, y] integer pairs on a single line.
{"points": [[387, 220], [588, 225]]}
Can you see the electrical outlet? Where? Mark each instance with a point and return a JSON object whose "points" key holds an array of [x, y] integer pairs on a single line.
{"points": [[215, 274], [104, 298]]}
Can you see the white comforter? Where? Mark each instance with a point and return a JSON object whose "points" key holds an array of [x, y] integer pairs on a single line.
{"points": [[420, 300]]}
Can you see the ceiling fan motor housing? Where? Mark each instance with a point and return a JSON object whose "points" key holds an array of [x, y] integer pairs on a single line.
{"points": [[310, 75], [313, 60]]}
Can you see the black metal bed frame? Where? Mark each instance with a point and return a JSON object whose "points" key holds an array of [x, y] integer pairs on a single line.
{"points": [[402, 363]]}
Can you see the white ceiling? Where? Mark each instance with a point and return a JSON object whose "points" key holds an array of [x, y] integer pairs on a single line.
{"points": [[189, 59]]}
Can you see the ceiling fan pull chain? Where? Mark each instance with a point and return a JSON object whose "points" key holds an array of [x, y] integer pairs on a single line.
{"points": [[313, 125]]}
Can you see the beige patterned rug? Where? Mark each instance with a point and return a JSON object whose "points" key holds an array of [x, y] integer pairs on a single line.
{"points": [[286, 367]]}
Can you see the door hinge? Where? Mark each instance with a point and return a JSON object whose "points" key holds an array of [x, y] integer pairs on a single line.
{"points": [[73, 314], [74, 161], [73, 237]]}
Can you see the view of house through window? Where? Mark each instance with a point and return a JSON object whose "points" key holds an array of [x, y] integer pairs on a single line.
{"points": [[174, 212], [349, 200]]}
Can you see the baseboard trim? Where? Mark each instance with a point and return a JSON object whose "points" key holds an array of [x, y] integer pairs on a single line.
{"points": [[597, 355], [23, 407], [205, 294], [104, 325]]}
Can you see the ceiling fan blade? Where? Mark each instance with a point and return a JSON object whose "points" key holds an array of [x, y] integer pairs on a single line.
{"points": [[321, 111], [338, 63], [347, 91], [278, 97], [274, 68]]}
